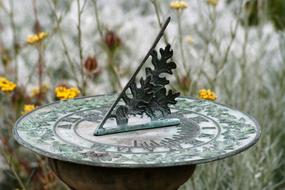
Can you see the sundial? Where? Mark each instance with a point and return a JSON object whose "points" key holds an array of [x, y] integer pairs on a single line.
{"points": [[147, 137]]}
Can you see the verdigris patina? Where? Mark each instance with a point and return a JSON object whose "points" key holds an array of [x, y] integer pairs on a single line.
{"points": [[208, 131]]}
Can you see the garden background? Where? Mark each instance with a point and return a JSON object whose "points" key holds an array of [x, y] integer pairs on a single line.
{"points": [[51, 50]]}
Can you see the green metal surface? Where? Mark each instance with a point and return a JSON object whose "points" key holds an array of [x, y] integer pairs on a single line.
{"points": [[207, 131], [136, 127]]}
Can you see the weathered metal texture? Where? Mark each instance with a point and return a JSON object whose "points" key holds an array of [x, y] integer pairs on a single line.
{"points": [[131, 82], [150, 97], [208, 131], [159, 123], [83, 177]]}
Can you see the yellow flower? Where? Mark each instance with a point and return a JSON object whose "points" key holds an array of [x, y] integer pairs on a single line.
{"points": [[28, 108], [207, 94], [6, 85], [63, 93], [189, 39], [213, 2], [178, 5], [35, 38]]}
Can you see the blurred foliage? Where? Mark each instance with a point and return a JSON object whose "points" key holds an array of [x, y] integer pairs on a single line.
{"points": [[276, 11], [243, 65], [251, 10]]}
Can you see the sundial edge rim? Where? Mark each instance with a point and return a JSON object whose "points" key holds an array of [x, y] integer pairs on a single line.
{"points": [[99, 161]]}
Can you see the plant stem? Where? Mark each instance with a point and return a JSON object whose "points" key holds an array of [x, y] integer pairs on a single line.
{"points": [[193, 183], [222, 65], [110, 66], [98, 23], [79, 14], [181, 40], [14, 33], [40, 69], [12, 167], [209, 39], [40, 49], [156, 9], [113, 73], [65, 49], [243, 64]]}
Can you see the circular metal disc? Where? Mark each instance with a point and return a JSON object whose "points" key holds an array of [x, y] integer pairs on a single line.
{"points": [[208, 131]]}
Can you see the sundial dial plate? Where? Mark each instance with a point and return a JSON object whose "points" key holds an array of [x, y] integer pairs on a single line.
{"points": [[80, 125], [208, 131]]}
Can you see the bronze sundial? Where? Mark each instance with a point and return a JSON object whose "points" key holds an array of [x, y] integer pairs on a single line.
{"points": [[147, 137]]}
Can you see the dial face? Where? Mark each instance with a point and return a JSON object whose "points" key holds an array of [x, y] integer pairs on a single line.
{"points": [[64, 130], [195, 130]]}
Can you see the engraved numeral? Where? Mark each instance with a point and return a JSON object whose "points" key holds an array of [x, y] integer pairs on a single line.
{"points": [[199, 119], [70, 119], [204, 135], [146, 146], [65, 126], [123, 149], [135, 143]]}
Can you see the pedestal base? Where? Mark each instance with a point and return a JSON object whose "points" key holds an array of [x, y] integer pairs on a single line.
{"points": [[83, 177]]}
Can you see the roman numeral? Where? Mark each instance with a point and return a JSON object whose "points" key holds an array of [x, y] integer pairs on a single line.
{"points": [[65, 126], [70, 119]]}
